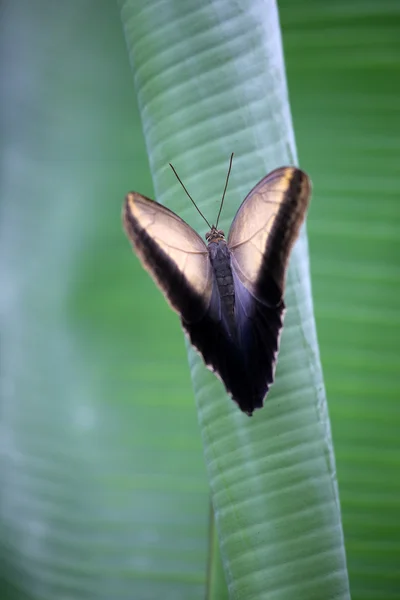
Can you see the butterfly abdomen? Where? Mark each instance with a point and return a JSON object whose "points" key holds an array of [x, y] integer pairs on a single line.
{"points": [[221, 263]]}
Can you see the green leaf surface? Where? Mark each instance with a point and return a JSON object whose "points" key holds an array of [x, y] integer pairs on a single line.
{"points": [[216, 581], [343, 61]]}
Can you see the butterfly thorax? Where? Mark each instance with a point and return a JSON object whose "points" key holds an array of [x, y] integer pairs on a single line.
{"points": [[220, 258]]}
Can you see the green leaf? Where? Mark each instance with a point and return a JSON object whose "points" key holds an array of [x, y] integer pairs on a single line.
{"points": [[343, 61], [210, 80], [103, 491], [216, 582]]}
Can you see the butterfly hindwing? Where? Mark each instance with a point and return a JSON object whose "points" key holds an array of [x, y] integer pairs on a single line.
{"points": [[259, 326]]}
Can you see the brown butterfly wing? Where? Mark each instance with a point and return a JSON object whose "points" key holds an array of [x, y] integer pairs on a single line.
{"points": [[266, 227], [172, 252], [260, 239]]}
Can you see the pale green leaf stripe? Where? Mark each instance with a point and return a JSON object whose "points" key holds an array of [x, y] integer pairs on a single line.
{"points": [[210, 80]]}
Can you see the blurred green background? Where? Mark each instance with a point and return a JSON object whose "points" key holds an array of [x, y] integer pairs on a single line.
{"points": [[103, 492]]}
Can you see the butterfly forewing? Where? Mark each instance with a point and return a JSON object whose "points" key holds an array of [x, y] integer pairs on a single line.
{"points": [[266, 226], [172, 252]]}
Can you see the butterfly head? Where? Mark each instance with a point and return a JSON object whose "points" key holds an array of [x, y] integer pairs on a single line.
{"points": [[215, 235]]}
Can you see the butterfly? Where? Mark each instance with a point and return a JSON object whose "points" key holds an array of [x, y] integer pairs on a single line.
{"points": [[228, 293]]}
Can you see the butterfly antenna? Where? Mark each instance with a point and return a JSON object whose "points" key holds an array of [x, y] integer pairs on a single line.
{"points": [[226, 185], [195, 205]]}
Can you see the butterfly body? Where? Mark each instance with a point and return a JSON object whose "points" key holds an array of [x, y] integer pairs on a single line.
{"points": [[220, 259], [228, 293]]}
